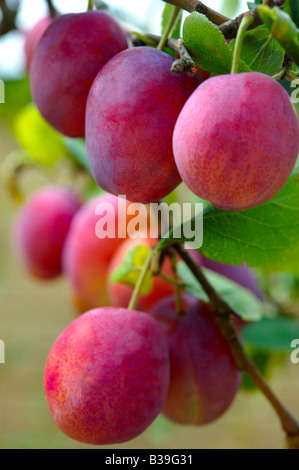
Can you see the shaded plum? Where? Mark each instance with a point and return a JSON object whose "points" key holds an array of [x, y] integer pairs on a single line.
{"points": [[204, 377], [41, 228], [66, 61]]}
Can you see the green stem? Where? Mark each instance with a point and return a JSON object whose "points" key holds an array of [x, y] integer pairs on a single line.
{"points": [[245, 24], [168, 30], [141, 279], [90, 5]]}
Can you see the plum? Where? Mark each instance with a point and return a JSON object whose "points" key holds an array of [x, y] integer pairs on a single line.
{"points": [[236, 140], [131, 111], [41, 228], [107, 376], [65, 62], [86, 257], [204, 377]]}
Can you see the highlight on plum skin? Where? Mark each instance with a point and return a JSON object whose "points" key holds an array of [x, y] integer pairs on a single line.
{"points": [[107, 376], [221, 152], [66, 61], [204, 378], [41, 227], [131, 112]]}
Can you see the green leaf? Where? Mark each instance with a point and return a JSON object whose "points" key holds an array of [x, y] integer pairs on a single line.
{"points": [[261, 51], [242, 300], [77, 149], [271, 335], [43, 143], [283, 28], [129, 271], [265, 236], [207, 45]]}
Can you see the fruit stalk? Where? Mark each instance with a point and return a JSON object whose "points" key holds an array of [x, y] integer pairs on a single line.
{"points": [[224, 315], [245, 24], [141, 279], [169, 28]]}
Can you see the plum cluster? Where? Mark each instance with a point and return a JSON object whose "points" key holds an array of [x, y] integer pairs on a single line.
{"points": [[233, 140], [100, 370]]}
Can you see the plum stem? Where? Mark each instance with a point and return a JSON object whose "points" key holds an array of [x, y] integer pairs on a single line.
{"points": [[178, 292], [224, 316], [171, 24], [52, 9], [245, 23], [90, 5], [140, 282]]}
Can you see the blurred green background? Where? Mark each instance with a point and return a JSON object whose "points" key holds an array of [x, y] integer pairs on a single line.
{"points": [[33, 314]]}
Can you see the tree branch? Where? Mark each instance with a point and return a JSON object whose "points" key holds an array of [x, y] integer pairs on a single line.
{"points": [[195, 5], [224, 315], [227, 26], [230, 28], [9, 17]]}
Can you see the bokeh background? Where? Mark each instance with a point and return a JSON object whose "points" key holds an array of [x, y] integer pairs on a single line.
{"points": [[33, 314]]}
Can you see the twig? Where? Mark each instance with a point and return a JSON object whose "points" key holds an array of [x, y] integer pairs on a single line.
{"points": [[230, 28], [224, 317], [195, 5]]}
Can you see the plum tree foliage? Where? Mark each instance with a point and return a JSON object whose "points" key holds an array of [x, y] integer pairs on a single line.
{"points": [[205, 106]]}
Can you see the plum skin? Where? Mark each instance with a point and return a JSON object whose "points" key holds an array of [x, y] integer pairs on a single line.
{"points": [[131, 111], [204, 378], [236, 140], [107, 376], [65, 62], [41, 227]]}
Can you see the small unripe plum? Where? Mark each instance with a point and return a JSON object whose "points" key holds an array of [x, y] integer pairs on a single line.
{"points": [[236, 140], [65, 62], [204, 377], [120, 294], [107, 376], [131, 111], [33, 36], [86, 257], [41, 228]]}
